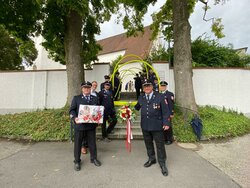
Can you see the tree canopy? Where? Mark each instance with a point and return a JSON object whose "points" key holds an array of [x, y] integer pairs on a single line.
{"points": [[172, 21], [54, 25], [206, 53], [21, 20], [209, 53], [69, 28], [9, 56]]}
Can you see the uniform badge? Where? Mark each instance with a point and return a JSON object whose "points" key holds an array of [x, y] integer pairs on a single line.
{"points": [[154, 107], [166, 101]]}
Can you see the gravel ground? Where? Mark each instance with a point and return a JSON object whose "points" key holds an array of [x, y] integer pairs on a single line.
{"points": [[232, 157]]}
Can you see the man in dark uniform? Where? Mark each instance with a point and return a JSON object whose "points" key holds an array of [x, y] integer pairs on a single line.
{"points": [[151, 76], [94, 93], [138, 86], [106, 100], [107, 78], [169, 100], [81, 128], [117, 86], [156, 85], [154, 113]]}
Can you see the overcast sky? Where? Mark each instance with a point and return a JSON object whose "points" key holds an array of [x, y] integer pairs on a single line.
{"points": [[235, 16]]}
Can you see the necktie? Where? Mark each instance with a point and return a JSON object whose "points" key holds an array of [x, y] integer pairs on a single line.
{"points": [[148, 97], [87, 97]]}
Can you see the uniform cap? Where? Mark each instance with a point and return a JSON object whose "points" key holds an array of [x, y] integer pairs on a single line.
{"points": [[163, 83], [147, 82], [107, 83], [106, 77], [86, 84]]}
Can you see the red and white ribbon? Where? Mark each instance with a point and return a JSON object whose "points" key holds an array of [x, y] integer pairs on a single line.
{"points": [[129, 136]]}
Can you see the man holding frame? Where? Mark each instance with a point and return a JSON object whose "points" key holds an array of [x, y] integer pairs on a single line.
{"points": [[84, 129]]}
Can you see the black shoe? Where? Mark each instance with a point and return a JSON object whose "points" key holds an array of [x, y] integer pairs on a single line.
{"points": [[164, 170], [96, 162], [149, 163], [77, 166], [168, 142]]}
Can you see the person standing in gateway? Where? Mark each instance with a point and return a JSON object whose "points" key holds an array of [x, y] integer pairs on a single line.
{"points": [[138, 85], [154, 119]]}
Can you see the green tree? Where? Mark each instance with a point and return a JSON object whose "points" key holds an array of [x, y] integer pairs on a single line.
{"points": [[69, 31], [9, 56], [27, 51], [21, 20], [73, 24], [209, 53], [174, 13], [205, 53], [114, 63], [158, 54], [68, 27]]}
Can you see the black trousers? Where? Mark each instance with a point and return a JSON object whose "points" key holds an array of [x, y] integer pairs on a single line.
{"points": [[158, 137], [85, 141], [137, 92], [91, 139], [168, 134], [105, 130]]}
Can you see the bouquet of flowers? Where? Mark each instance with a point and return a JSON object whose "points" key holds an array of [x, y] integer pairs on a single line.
{"points": [[126, 114]]}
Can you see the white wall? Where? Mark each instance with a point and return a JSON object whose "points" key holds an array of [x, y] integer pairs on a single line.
{"points": [[33, 89], [97, 74], [223, 87], [165, 74], [110, 56], [217, 87], [29, 90]]}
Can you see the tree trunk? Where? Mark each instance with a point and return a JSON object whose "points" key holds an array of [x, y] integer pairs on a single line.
{"points": [[182, 56], [73, 47]]}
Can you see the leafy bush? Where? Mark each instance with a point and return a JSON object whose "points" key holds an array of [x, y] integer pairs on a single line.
{"points": [[216, 124], [114, 63], [38, 126], [48, 125], [209, 53], [205, 53]]}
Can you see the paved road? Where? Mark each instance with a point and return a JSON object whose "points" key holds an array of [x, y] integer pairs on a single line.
{"points": [[50, 164]]}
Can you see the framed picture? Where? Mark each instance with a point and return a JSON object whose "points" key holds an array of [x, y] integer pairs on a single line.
{"points": [[90, 114]]}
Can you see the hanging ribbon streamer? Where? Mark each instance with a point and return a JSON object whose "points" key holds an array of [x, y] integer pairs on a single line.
{"points": [[129, 135]]}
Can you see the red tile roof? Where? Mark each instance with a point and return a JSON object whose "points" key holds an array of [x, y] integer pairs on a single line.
{"points": [[139, 45]]}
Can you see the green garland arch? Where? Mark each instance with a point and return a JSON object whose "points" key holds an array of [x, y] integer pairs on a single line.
{"points": [[132, 72]]}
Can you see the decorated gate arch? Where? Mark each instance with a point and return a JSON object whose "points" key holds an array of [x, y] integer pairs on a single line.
{"points": [[132, 70]]}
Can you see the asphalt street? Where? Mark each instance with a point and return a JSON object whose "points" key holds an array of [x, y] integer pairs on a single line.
{"points": [[50, 164]]}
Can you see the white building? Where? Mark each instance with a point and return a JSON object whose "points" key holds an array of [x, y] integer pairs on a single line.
{"points": [[43, 62], [112, 47]]}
